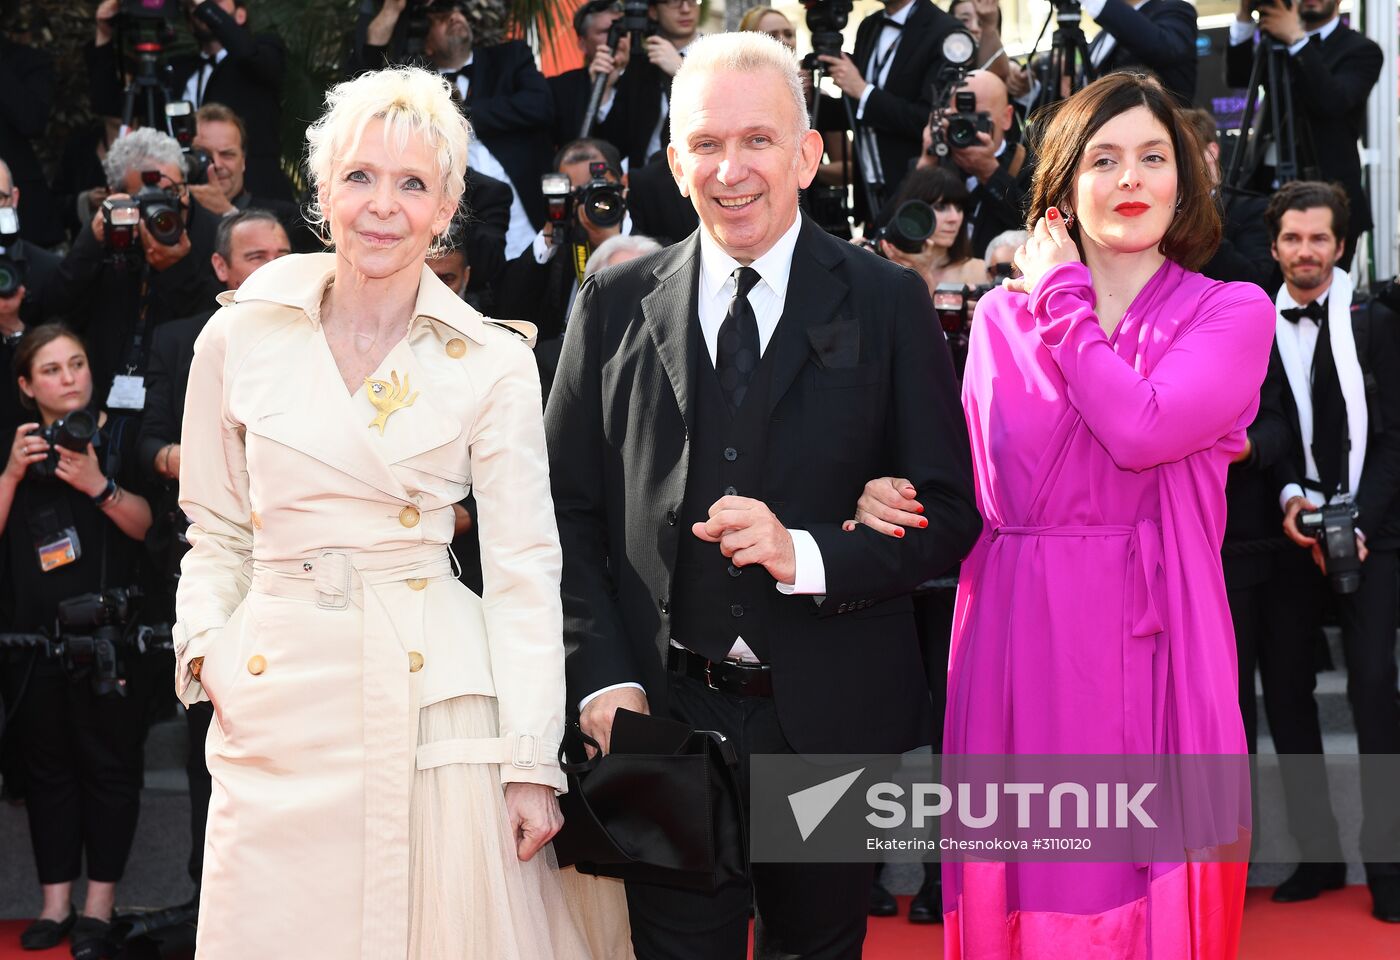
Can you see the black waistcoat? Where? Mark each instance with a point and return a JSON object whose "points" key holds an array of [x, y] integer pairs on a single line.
{"points": [[713, 602]]}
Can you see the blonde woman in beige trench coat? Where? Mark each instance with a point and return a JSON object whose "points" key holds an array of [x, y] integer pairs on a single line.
{"points": [[383, 750]]}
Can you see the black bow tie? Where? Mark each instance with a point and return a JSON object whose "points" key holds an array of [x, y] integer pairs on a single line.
{"points": [[891, 22], [1315, 311]]}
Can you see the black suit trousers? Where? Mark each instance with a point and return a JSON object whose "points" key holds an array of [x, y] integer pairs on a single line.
{"points": [[812, 911], [197, 720], [1288, 673]]}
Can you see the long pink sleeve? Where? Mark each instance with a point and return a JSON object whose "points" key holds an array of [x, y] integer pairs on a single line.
{"points": [[1193, 396]]}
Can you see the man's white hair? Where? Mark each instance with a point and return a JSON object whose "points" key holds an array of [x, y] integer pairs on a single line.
{"points": [[141, 149], [612, 246], [413, 103], [1008, 238], [748, 52]]}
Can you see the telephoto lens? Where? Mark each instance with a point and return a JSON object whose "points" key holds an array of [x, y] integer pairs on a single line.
{"points": [[913, 222], [160, 210], [74, 432]]}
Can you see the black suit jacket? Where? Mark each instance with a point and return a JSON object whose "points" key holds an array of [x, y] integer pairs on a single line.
{"points": [[1245, 253], [862, 387], [570, 91], [898, 111], [1376, 494], [659, 209], [248, 81], [1331, 83], [635, 111], [486, 201], [1161, 37], [167, 378], [1252, 516], [26, 96]]}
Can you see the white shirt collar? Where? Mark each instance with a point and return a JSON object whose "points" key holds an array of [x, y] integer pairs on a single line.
{"points": [[773, 267], [903, 15]]}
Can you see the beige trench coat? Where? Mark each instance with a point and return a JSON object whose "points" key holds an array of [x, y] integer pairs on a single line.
{"points": [[320, 594]]}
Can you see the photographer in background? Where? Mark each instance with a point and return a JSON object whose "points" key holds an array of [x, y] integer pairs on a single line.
{"points": [[26, 97], [997, 169], [235, 67], [116, 296], [1244, 253], [503, 94], [245, 241], [540, 284], [25, 274], [639, 118], [1332, 69], [572, 89], [1341, 402], [72, 525], [889, 82], [1156, 35], [222, 134]]}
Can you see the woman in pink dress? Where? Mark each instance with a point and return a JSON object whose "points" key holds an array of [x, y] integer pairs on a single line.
{"points": [[1106, 394]]}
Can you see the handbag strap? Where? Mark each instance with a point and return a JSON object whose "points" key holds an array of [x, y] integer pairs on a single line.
{"points": [[573, 731]]}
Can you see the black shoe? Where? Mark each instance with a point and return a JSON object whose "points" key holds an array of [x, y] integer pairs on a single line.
{"points": [[47, 934], [882, 902], [90, 938], [1309, 880], [927, 905], [1385, 899]]}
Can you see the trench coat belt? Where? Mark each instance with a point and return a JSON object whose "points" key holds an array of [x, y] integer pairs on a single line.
{"points": [[392, 625], [1145, 560]]}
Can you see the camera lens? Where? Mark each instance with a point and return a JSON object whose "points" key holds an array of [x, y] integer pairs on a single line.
{"points": [[605, 206], [76, 430], [962, 132], [164, 223], [913, 223], [10, 277]]}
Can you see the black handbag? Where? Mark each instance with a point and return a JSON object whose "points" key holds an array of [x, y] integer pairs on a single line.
{"points": [[663, 807]]}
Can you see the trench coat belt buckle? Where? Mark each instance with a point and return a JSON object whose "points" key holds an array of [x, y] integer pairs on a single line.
{"points": [[333, 580]]}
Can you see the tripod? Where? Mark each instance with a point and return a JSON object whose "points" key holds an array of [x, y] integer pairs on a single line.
{"points": [[1270, 78], [145, 85], [1069, 54]]}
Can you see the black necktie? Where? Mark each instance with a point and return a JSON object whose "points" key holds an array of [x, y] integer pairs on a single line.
{"points": [[736, 353], [1315, 311]]}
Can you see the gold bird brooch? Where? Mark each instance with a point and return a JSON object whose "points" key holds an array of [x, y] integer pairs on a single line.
{"points": [[387, 397]]}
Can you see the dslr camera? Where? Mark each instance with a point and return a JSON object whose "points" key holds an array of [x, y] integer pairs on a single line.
{"points": [[153, 205], [960, 127], [600, 199], [825, 19], [11, 264], [913, 222], [179, 116], [1334, 527], [93, 630], [73, 432]]}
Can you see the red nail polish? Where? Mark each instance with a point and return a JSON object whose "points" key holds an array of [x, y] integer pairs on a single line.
{"points": [[922, 524], [1052, 214], [899, 531], [919, 508]]}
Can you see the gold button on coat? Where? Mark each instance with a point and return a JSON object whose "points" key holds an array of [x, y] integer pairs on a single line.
{"points": [[415, 661], [456, 347], [257, 663], [417, 583], [408, 516]]}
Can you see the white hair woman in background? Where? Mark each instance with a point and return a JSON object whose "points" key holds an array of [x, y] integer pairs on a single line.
{"points": [[384, 745], [618, 249]]}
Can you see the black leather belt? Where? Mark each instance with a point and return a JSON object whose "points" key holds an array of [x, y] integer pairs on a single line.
{"points": [[726, 676]]}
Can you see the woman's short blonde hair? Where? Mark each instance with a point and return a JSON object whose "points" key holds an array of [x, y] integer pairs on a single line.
{"points": [[412, 102]]}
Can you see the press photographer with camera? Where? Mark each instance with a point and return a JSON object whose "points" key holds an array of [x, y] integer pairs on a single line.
{"points": [[889, 82], [220, 183], [944, 255], [234, 66], [1339, 477], [1155, 35], [26, 271], [143, 260], [594, 28], [973, 135], [502, 92], [72, 525], [638, 120], [587, 205], [1332, 70]]}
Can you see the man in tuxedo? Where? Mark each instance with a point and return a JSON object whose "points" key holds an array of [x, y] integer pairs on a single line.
{"points": [[1157, 35], [1341, 400], [997, 169], [235, 67], [1332, 69], [889, 83], [636, 122], [541, 283], [504, 95], [572, 88], [718, 408]]}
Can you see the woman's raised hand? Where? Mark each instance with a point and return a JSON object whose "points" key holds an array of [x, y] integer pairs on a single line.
{"points": [[1047, 247]]}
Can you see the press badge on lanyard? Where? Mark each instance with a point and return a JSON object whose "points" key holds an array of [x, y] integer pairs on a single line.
{"points": [[60, 550], [128, 393]]}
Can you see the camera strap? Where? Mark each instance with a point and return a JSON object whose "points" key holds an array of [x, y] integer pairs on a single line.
{"points": [[580, 254]]}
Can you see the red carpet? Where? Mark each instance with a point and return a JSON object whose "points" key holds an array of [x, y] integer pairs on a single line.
{"points": [[1336, 926]]}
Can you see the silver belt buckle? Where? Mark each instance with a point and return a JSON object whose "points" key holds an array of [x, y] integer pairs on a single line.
{"points": [[333, 581]]}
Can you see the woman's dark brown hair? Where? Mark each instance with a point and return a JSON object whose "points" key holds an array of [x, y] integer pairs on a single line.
{"points": [[935, 185], [34, 340], [1063, 131]]}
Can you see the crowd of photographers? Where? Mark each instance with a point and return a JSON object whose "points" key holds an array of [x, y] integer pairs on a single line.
{"points": [[110, 263]]}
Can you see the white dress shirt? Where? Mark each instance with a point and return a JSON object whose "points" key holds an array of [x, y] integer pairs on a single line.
{"points": [[767, 299], [194, 87], [1306, 331], [875, 73], [520, 231]]}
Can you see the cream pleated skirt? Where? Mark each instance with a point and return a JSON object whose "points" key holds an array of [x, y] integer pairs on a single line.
{"points": [[471, 896]]}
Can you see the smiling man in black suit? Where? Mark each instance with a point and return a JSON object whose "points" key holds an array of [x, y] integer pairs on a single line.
{"points": [[717, 410]]}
